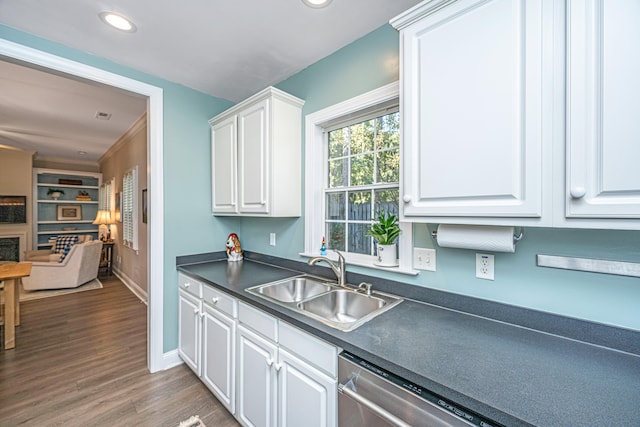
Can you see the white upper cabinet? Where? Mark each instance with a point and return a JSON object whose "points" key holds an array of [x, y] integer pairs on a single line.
{"points": [[224, 161], [474, 94], [256, 156], [521, 112], [603, 111]]}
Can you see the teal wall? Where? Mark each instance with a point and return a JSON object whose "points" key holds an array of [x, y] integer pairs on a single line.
{"points": [[372, 62], [364, 65]]}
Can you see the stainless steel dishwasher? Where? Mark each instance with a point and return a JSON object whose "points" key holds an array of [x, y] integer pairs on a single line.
{"points": [[372, 397]]}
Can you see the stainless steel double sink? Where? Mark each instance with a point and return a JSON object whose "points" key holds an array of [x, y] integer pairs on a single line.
{"points": [[343, 308]]}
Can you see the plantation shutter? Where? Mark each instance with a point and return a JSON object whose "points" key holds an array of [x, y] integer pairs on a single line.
{"points": [[130, 209]]}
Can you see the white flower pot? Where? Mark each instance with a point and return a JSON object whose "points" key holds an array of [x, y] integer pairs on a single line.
{"points": [[56, 195], [387, 256]]}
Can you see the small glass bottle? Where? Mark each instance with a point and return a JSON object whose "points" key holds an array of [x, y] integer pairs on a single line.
{"points": [[323, 248]]}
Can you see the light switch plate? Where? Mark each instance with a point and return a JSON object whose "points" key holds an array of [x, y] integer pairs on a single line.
{"points": [[424, 259]]}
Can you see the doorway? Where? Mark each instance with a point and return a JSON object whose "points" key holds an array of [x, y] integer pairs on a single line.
{"points": [[155, 325]]}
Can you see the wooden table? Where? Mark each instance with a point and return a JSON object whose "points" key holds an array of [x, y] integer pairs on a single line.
{"points": [[11, 274]]}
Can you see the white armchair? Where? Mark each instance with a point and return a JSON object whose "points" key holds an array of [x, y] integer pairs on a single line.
{"points": [[50, 255], [79, 266]]}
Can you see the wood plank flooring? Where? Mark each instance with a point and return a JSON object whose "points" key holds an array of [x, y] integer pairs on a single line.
{"points": [[80, 360]]}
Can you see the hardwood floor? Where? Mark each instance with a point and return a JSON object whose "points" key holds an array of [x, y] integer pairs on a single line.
{"points": [[80, 360]]}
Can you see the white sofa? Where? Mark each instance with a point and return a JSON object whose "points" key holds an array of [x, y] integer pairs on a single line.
{"points": [[80, 266]]}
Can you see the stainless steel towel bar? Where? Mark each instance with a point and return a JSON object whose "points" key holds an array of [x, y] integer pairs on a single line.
{"points": [[588, 264]]}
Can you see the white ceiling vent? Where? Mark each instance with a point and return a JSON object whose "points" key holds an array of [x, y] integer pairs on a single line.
{"points": [[101, 115]]}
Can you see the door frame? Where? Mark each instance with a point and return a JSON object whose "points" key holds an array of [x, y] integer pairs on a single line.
{"points": [[154, 95]]}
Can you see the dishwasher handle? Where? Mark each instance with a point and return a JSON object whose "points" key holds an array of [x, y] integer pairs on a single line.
{"points": [[380, 411]]}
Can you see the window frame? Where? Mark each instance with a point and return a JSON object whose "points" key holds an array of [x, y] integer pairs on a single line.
{"points": [[315, 177]]}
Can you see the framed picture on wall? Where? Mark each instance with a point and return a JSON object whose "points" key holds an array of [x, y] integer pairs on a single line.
{"points": [[69, 212], [144, 206]]}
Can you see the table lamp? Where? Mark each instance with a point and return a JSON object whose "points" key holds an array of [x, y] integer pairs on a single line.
{"points": [[104, 218]]}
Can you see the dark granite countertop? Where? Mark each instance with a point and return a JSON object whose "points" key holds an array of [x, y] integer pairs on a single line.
{"points": [[515, 375]]}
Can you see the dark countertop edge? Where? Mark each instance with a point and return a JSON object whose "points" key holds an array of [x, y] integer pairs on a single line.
{"points": [[599, 334]]}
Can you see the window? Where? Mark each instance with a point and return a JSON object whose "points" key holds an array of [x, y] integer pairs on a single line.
{"points": [[363, 163], [130, 209], [351, 172]]}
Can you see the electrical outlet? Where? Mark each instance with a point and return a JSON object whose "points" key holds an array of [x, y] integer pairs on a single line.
{"points": [[424, 259], [272, 239], [484, 266]]}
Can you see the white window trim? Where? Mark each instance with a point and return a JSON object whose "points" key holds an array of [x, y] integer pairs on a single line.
{"points": [[315, 174]]}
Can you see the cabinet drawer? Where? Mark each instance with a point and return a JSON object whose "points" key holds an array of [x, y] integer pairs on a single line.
{"points": [[219, 300], [190, 285], [313, 350], [259, 321]]}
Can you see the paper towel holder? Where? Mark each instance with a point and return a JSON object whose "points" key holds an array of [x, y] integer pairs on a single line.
{"points": [[516, 238]]}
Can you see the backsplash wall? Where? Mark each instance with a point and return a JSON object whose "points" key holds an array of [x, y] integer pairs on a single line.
{"points": [[371, 62]]}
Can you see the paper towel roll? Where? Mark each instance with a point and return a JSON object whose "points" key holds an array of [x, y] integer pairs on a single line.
{"points": [[482, 237]]}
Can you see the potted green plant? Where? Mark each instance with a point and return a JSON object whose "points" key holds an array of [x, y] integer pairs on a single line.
{"points": [[385, 231], [55, 193]]}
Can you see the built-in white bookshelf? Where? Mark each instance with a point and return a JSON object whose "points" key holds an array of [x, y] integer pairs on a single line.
{"points": [[71, 213]]}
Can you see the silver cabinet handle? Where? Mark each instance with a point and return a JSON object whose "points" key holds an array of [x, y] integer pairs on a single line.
{"points": [[214, 300], [186, 285], [578, 192], [195, 311], [406, 198], [383, 413]]}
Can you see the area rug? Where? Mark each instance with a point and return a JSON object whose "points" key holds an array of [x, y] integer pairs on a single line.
{"points": [[46, 293], [194, 421]]}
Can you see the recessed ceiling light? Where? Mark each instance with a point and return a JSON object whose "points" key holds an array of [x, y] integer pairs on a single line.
{"points": [[118, 21], [316, 4], [82, 153]]}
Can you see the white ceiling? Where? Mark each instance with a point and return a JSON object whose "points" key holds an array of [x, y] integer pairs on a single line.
{"points": [[226, 48], [56, 116]]}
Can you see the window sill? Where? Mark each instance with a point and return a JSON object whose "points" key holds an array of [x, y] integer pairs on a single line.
{"points": [[396, 270]]}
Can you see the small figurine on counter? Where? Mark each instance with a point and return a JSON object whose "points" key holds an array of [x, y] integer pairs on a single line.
{"points": [[323, 248], [234, 250]]}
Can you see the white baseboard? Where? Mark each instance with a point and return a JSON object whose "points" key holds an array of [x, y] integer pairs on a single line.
{"points": [[133, 286], [171, 359]]}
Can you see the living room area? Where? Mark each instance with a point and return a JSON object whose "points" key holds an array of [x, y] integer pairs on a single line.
{"points": [[53, 212], [73, 184]]}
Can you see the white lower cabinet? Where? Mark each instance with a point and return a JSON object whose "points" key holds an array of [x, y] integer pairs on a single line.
{"points": [[277, 384], [189, 307], [306, 396], [207, 336], [218, 355], [256, 380], [189, 330], [266, 372]]}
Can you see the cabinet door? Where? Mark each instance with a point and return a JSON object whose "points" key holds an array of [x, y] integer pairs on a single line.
{"points": [[306, 397], [472, 103], [253, 158], [256, 380], [603, 101], [189, 330], [218, 355], [223, 161]]}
